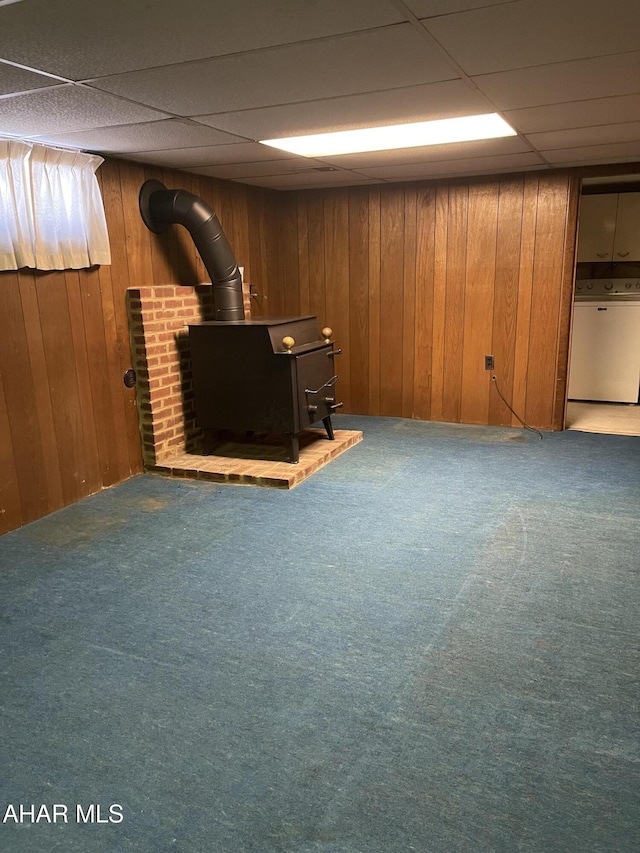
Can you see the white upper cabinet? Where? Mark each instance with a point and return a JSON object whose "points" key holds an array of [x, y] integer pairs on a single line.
{"points": [[626, 246], [609, 227]]}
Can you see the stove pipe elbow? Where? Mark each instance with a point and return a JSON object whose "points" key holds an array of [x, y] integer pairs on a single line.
{"points": [[160, 208]]}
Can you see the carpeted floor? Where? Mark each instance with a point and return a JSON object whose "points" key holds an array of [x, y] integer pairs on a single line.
{"points": [[430, 645]]}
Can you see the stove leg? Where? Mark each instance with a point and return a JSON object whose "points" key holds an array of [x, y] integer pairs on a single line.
{"points": [[293, 445], [329, 427]]}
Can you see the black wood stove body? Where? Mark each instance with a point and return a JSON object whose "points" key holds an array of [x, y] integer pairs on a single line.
{"points": [[269, 375]]}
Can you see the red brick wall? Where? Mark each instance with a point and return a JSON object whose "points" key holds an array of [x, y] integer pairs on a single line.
{"points": [[158, 318]]}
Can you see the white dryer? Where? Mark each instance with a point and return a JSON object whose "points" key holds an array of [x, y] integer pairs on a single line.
{"points": [[605, 345]]}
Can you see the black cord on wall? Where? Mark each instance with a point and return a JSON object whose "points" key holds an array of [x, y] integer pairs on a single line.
{"points": [[514, 413]]}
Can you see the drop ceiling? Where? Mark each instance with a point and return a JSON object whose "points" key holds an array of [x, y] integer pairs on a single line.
{"points": [[195, 84]]}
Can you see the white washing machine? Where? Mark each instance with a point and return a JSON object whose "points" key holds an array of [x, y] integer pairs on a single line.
{"points": [[605, 344]]}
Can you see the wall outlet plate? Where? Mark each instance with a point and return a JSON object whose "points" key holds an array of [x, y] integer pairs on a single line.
{"points": [[488, 362]]}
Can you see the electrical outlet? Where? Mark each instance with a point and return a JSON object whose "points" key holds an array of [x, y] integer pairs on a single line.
{"points": [[488, 362]]}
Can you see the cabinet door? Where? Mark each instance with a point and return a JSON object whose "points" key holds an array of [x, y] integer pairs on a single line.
{"points": [[597, 226], [626, 246]]}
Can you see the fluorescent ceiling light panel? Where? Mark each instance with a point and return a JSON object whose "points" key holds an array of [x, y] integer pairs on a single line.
{"points": [[464, 129]]}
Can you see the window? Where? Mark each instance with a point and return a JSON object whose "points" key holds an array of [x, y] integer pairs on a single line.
{"points": [[51, 212]]}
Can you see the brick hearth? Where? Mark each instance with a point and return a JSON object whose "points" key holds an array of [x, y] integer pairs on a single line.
{"points": [[172, 443]]}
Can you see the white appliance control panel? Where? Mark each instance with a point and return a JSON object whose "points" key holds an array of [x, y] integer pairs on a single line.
{"points": [[607, 288]]}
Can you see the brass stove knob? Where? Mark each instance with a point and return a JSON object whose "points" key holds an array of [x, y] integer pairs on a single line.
{"points": [[326, 333], [288, 343]]}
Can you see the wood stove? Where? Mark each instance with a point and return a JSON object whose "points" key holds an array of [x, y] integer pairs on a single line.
{"points": [[266, 375], [273, 375]]}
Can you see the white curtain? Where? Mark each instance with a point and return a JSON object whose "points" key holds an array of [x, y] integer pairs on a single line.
{"points": [[51, 212]]}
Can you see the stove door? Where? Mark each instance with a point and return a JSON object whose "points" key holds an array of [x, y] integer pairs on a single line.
{"points": [[316, 385]]}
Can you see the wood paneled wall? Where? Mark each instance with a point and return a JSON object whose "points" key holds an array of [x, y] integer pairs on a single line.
{"points": [[421, 281], [68, 425]]}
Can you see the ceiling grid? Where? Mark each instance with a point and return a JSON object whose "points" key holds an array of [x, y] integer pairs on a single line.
{"points": [[196, 85]]}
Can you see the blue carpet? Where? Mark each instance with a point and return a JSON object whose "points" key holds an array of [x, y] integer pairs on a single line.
{"points": [[431, 645]]}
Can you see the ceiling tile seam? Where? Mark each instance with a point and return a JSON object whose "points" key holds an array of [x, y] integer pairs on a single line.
{"points": [[426, 33], [244, 53], [593, 145], [588, 127], [36, 71], [550, 64], [299, 170], [164, 113], [487, 5], [23, 92], [323, 99], [186, 147], [575, 101], [454, 159]]}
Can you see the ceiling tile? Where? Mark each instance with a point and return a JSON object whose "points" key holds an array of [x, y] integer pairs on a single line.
{"points": [[621, 152], [68, 108], [14, 79], [429, 153], [209, 155], [191, 85], [414, 103], [308, 181], [468, 166], [583, 79], [78, 39], [430, 8], [586, 136], [577, 114], [338, 66], [537, 32], [232, 171], [153, 136]]}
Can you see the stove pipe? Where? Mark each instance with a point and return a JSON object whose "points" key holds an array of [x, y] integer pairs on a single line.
{"points": [[160, 207]]}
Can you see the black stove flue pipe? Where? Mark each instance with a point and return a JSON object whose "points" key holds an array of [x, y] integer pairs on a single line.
{"points": [[160, 208]]}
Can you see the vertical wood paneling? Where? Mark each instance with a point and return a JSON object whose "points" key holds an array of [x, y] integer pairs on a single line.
{"points": [[439, 302], [358, 298], [424, 284], [11, 515], [99, 376], [137, 235], [121, 398], [20, 397], [336, 249], [409, 301], [289, 283], [117, 329], [42, 401], [525, 285], [258, 275], [391, 299], [78, 372], [374, 302], [479, 299], [566, 303], [548, 265], [302, 230], [505, 305], [60, 353], [454, 271], [317, 276], [457, 235], [68, 425]]}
